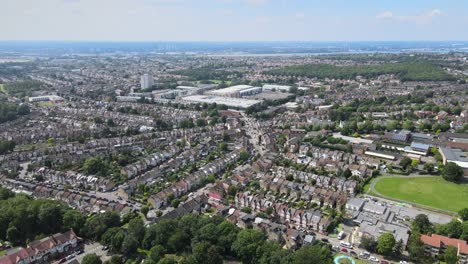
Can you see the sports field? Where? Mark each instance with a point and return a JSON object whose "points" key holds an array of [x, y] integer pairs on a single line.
{"points": [[430, 191]]}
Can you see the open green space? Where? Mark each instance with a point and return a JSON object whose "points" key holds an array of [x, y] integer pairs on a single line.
{"points": [[429, 191], [2, 89], [407, 71]]}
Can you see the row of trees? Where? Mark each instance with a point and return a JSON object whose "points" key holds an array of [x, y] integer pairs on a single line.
{"points": [[199, 239], [408, 71], [25, 88], [24, 219]]}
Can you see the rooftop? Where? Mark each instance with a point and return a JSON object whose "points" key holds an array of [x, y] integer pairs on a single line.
{"points": [[233, 102]]}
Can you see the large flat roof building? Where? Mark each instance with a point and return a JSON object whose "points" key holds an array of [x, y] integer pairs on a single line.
{"points": [[232, 102], [275, 87], [232, 91], [456, 156]]}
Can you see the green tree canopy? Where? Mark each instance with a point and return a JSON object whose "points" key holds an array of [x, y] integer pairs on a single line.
{"points": [[385, 244]]}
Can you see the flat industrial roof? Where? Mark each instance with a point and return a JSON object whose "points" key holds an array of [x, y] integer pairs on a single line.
{"points": [[455, 154], [229, 101], [232, 89]]}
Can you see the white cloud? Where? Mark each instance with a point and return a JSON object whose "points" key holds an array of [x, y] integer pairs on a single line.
{"points": [[249, 2], [384, 15], [424, 18], [256, 2], [299, 15]]}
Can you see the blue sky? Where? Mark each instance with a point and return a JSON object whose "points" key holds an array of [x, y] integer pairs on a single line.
{"points": [[233, 20]]}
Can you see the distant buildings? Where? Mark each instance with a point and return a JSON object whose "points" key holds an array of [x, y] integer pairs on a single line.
{"points": [[46, 98], [146, 81]]}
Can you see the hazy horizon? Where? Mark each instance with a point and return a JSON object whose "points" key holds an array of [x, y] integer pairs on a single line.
{"points": [[233, 20]]}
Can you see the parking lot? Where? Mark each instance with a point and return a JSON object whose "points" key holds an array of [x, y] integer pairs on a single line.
{"points": [[91, 248]]}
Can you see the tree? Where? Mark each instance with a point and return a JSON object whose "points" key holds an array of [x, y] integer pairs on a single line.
{"points": [[204, 252], [6, 193], [452, 229], [347, 173], [136, 228], [421, 224], [385, 244], [145, 209], [117, 241], [129, 245], [451, 255], [369, 243], [317, 254], [246, 244], [271, 253], [91, 259], [50, 217], [244, 156], [157, 252], [6, 146], [416, 249], [463, 213], [405, 162], [116, 260], [408, 125], [73, 220], [398, 248], [452, 172], [429, 167]]}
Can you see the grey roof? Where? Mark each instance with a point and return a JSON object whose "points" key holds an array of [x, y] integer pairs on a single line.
{"points": [[420, 146], [454, 154], [356, 202], [374, 208]]}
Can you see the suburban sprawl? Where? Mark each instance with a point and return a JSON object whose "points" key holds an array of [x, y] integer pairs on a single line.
{"points": [[154, 156]]}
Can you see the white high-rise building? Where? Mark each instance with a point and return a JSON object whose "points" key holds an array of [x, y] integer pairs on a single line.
{"points": [[146, 81]]}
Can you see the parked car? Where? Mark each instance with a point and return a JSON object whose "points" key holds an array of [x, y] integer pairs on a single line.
{"points": [[335, 248], [374, 259], [353, 253], [344, 250], [341, 235], [384, 262], [324, 240]]}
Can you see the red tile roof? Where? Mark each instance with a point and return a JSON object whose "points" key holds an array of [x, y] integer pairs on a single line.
{"points": [[438, 240]]}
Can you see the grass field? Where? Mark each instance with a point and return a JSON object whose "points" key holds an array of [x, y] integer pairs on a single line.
{"points": [[2, 89], [430, 191]]}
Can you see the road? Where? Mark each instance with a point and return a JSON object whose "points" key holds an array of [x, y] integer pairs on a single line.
{"points": [[253, 130], [95, 248]]}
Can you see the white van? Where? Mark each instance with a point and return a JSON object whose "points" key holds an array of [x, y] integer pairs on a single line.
{"points": [[345, 244]]}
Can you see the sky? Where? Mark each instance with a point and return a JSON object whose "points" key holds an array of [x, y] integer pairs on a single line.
{"points": [[234, 20]]}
